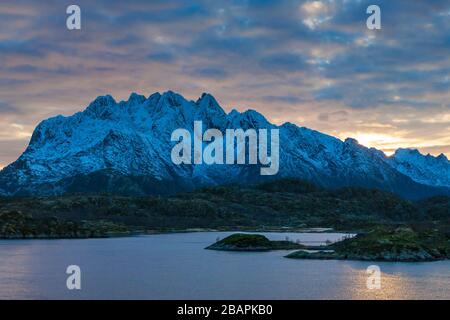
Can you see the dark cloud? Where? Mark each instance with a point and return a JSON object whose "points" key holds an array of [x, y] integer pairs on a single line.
{"points": [[25, 48], [162, 57], [311, 61], [283, 99], [6, 107], [9, 82], [208, 72], [329, 93], [183, 11], [285, 62], [333, 116]]}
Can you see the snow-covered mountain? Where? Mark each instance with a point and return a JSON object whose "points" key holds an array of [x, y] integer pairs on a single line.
{"points": [[427, 169], [125, 147]]}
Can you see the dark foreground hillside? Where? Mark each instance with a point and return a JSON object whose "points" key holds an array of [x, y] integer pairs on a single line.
{"points": [[286, 203]]}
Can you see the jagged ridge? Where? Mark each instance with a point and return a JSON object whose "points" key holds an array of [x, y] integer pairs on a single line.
{"points": [[124, 147]]}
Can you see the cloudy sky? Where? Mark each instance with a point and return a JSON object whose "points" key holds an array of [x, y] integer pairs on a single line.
{"points": [[313, 63]]}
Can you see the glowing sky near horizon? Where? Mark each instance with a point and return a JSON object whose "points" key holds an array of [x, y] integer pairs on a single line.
{"points": [[313, 63]]}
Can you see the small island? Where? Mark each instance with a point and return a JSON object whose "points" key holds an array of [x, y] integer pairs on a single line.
{"points": [[252, 242], [401, 244]]}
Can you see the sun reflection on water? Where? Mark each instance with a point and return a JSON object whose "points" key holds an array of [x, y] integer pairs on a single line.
{"points": [[394, 285]]}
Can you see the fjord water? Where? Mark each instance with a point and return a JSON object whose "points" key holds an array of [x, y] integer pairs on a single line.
{"points": [[176, 266]]}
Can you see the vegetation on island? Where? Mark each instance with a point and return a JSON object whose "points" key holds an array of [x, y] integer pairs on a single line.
{"points": [[252, 242], [402, 244]]}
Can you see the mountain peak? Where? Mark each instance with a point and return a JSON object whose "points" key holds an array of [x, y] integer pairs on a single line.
{"points": [[103, 101], [154, 96], [407, 151], [172, 98], [98, 106], [351, 141], [442, 157], [136, 98], [425, 169], [255, 117], [170, 94], [248, 119], [206, 95], [289, 124], [208, 101]]}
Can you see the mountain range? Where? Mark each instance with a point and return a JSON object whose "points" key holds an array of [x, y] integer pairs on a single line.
{"points": [[125, 148]]}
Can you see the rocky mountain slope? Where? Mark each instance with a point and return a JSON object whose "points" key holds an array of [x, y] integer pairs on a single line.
{"points": [[125, 148], [427, 169]]}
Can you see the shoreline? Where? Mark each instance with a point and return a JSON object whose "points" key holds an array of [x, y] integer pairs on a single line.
{"points": [[305, 253], [138, 232], [362, 259], [259, 230]]}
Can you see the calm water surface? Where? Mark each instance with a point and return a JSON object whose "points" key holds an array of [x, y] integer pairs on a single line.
{"points": [[175, 266]]}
